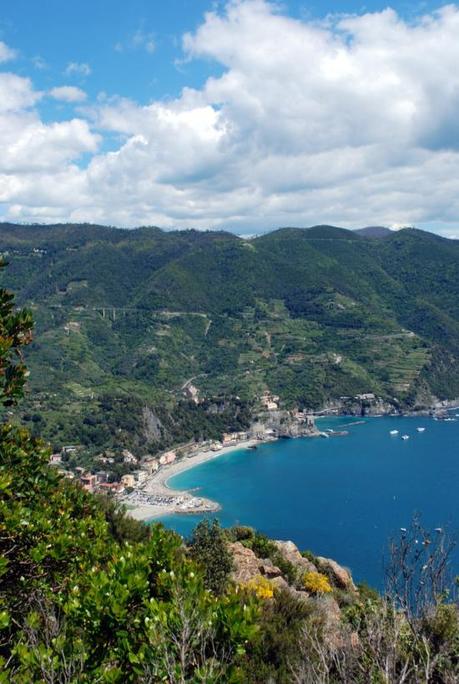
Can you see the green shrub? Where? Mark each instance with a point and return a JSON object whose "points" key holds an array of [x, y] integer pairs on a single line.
{"points": [[208, 547], [122, 527], [271, 654]]}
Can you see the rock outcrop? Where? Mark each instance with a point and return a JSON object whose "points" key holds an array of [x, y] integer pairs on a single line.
{"points": [[283, 423], [247, 566], [152, 425], [331, 614], [291, 554], [339, 576]]}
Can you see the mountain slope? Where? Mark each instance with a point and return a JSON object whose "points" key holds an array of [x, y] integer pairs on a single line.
{"points": [[374, 232], [310, 314]]}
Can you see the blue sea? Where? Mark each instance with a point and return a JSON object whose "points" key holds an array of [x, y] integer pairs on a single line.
{"points": [[343, 497]]}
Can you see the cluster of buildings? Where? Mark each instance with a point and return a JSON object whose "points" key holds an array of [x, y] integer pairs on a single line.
{"points": [[231, 439], [100, 481], [151, 465], [269, 401], [137, 471], [92, 482], [304, 417], [103, 480], [95, 482], [191, 392]]}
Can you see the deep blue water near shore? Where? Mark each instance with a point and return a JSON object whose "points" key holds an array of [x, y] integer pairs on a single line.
{"points": [[342, 497]]}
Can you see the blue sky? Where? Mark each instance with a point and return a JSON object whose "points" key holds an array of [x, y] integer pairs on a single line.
{"points": [[248, 117], [89, 31], [103, 35]]}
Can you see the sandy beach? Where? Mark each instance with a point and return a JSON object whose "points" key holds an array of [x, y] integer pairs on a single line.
{"points": [[174, 500], [167, 472]]}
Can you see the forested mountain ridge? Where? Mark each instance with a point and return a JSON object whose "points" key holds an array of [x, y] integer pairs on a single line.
{"points": [[310, 314]]}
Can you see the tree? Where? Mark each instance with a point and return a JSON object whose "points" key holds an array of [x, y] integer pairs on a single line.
{"points": [[208, 547], [15, 332]]}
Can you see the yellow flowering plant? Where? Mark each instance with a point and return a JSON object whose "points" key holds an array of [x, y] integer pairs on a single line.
{"points": [[261, 587], [316, 583]]}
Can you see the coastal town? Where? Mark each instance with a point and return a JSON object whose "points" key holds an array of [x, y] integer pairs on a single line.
{"points": [[144, 490], [143, 487]]}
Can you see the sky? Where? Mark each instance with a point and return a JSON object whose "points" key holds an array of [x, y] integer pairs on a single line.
{"points": [[242, 115]]}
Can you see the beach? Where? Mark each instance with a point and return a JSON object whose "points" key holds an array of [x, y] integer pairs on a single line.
{"points": [[173, 500]]}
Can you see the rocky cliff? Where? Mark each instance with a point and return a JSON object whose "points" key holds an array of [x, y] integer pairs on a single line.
{"points": [[320, 582]]}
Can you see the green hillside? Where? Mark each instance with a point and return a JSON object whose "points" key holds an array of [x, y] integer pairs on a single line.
{"points": [[125, 318], [88, 594]]}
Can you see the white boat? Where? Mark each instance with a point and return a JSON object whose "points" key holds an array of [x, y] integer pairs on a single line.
{"points": [[405, 436], [393, 432], [420, 429]]}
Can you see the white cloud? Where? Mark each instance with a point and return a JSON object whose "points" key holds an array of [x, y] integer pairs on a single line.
{"points": [[16, 93], [139, 40], [78, 69], [352, 121], [29, 146], [39, 63], [68, 94], [6, 53]]}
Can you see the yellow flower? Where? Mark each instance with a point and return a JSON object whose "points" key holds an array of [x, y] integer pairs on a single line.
{"points": [[262, 587], [316, 583]]}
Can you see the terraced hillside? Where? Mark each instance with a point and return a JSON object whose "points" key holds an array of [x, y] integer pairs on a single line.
{"points": [[127, 320]]}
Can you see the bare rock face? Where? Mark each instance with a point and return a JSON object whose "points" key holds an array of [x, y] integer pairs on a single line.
{"points": [[281, 584], [152, 425], [339, 576], [291, 554], [332, 620], [269, 570], [247, 565]]}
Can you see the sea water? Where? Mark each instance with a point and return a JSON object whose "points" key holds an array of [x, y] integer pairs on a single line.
{"points": [[344, 497]]}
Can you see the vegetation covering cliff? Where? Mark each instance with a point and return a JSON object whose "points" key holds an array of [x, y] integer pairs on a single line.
{"points": [[125, 319], [89, 595]]}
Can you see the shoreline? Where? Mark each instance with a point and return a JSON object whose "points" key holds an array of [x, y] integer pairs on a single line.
{"points": [[179, 501], [201, 456], [184, 502]]}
